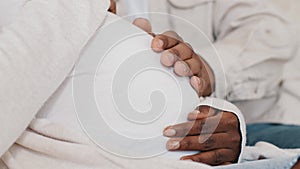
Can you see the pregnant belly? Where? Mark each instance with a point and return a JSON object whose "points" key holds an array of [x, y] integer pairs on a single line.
{"points": [[121, 96]]}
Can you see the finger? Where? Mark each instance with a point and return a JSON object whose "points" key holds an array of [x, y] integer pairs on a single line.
{"points": [[202, 113], [223, 122], [181, 51], [144, 24], [215, 157], [210, 125], [201, 85], [194, 64], [113, 7], [165, 41], [188, 67], [198, 84], [168, 59], [173, 34], [181, 68], [203, 142]]}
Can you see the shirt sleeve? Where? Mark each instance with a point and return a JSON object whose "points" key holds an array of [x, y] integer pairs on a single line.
{"points": [[37, 51], [253, 44]]}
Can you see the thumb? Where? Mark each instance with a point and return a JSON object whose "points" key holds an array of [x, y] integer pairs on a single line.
{"points": [[144, 24], [196, 83]]}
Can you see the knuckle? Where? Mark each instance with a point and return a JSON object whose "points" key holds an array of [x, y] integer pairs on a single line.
{"points": [[188, 48], [197, 126], [236, 139], [174, 51], [198, 158], [188, 45], [231, 115], [209, 143], [235, 156], [186, 144], [186, 129], [231, 121], [183, 144], [172, 34], [218, 157]]}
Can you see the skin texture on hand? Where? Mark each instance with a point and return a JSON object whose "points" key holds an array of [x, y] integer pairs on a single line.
{"points": [[218, 146], [180, 55]]}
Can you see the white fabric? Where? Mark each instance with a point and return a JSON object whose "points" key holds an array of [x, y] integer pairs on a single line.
{"points": [[287, 103], [9, 11], [267, 150], [61, 106], [37, 51], [252, 38], [50, 144], [136, 9]]}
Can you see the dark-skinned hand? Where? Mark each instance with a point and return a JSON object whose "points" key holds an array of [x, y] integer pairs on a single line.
{"points": [[215, 133]]}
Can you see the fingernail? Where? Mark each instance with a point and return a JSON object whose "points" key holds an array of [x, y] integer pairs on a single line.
{"points": [[173, 145], [160, 44], [170, 132], [167, 58], [171, 58], [184, 67], [196, 83], [181, 68]]}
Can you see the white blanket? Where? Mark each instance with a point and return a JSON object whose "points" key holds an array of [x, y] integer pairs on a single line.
{"points": [[37, 53]]}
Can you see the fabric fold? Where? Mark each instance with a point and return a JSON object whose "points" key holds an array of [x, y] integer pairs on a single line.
{"points": [[37, 52]]}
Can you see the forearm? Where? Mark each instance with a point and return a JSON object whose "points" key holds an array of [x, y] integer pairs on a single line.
{"points": [[37, 52]]}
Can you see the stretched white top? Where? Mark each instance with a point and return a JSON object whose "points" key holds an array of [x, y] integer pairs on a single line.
{"points": [[123, 97]]}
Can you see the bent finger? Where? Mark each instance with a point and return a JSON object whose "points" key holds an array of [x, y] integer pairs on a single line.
{"points": [[194, 64], [165, 41], [215, 157], [203, 142], [220, 123], [181, 68], [144, 24], [183, 50], [202, 113], [209, 125]]}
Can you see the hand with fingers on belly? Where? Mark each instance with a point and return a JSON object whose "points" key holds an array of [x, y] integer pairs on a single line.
{"points": [[215, 134], [180, 55]]}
